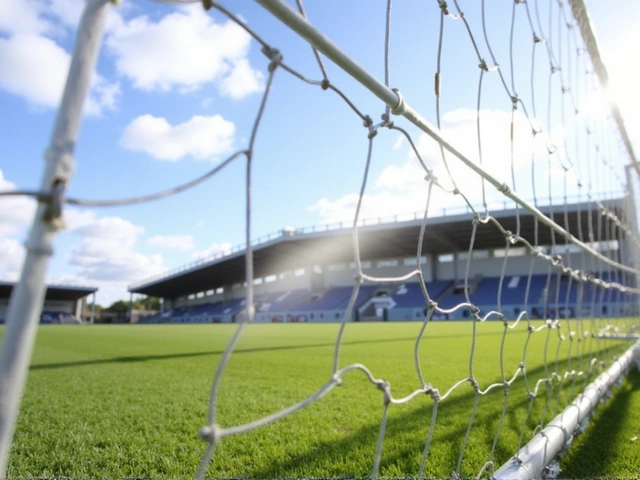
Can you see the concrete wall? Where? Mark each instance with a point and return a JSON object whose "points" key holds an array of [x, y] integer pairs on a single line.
{"points": [[376, 268], [516, 265]]}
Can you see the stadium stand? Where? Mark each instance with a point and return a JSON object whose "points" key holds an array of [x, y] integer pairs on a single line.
{"points": [[63, 304], [548, 296], [274, 307], [306, 275], [53, 317]]}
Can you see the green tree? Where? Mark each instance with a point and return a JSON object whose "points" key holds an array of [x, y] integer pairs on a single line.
{"points": [[121, 306], [150, 303]]}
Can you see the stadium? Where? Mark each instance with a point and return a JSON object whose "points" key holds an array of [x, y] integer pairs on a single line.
{"points": [[493, 334], [62, 303], [307, 275]]}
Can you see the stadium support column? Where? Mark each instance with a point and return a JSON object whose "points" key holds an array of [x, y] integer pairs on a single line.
{"points": [[129, 315], [433, 262], [28, 295], [93, 308], [78, 308], [456, 256]]}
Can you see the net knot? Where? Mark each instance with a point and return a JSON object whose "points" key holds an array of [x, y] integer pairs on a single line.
{"points": [[474, 384], [274, 55], [435, 394], [444, 7], [474, 310], [536, 38], [209, 433], [399, 109], [483, 65], [207, 4], [383, 386], [515, 100], [432, 304], [521, 366], [366, 121], [430, 177], [358, 278]]}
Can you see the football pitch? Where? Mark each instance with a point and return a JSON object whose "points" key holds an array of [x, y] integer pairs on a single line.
{"points": [[127, 401]]}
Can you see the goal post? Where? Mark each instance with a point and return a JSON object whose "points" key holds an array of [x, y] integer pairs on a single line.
{"points": [[27, 297]]}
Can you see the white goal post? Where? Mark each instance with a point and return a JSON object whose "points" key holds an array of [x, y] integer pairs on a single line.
{"points": [[603, 260]]}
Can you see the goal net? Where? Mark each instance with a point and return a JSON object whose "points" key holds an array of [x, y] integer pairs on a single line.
{"points": [[466, 107]]}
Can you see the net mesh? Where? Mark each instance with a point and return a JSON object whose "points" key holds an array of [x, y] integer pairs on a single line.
{"points": [[526, 118], [537, 126]]}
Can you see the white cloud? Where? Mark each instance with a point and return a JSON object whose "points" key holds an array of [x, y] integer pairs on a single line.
{"points": [[107, 251], [11, 257], [201, 137], [382, 205], [184, 50], [402, 189], [16, 212], [22, 17], [181, 243], [67, 11], [111, 260], [399, 142], [87, 224], [40, 17], [35, 68], [242, 81], [215, 249]]}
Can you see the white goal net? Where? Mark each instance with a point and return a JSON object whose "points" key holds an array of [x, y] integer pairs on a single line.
{"points": [[498, 108]]}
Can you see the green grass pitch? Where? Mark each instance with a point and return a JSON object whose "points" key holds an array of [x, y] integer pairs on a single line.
{"points": [[127, 401]]}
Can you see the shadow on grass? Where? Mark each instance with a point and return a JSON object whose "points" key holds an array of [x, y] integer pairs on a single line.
{"points": [[238, 351], [405, 438], [598, 449]]}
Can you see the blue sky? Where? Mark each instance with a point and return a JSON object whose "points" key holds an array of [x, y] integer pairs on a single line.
{"points": [[176, 90]]}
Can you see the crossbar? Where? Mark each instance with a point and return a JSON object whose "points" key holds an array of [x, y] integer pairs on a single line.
{"points": [[321, 42]]}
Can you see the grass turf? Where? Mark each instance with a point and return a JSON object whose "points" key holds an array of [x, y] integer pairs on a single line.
{"points": [[124, 401]]}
